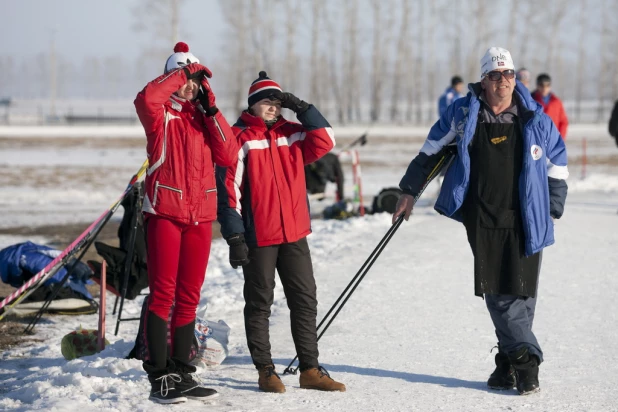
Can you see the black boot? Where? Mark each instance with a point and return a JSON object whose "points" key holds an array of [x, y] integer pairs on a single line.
{"points": [[163, 383], [503, 377], [156, 339], [527, 371], [189, 387]]}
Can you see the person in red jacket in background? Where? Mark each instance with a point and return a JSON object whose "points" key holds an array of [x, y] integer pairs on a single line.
{"points": [[552, 106], [264, 216], [186, 137]]}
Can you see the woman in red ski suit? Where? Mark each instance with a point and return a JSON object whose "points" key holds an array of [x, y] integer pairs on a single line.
{"points": [[187, 136]]}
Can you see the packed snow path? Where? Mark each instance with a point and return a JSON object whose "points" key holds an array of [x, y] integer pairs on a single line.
{"points": [[412, 338]]}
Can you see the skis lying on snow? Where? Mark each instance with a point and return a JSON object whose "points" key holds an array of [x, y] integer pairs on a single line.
{"points": [[63, 258], [447, 155]]}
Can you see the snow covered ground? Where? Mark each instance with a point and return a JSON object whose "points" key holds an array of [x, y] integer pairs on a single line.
{"points": [[412, 338]]}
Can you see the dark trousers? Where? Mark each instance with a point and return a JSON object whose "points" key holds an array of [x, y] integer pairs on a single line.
{"points": [[293, 262], [512, 317]]}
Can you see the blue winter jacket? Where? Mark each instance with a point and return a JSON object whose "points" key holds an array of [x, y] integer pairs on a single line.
{"points": [[449, 96], [19, 262], [542, 184]]}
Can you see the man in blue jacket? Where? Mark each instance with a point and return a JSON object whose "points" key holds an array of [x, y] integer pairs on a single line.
{"points": [[507, 185], [451, 94]]}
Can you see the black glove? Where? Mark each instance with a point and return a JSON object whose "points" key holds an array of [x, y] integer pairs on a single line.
{"points": [[239, 252], [289, 101], [206, 97]]}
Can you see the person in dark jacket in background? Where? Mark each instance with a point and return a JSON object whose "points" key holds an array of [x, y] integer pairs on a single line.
{"points": [[552, 105], [523, 75], [326, 169], [451, 94], [506, 184], [613, 123], [264, 216]]}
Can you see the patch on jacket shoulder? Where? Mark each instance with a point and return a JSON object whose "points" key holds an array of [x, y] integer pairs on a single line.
{"points": [[536, 152], [497, 140]]}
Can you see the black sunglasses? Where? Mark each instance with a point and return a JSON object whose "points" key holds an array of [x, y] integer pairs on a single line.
{"points": [[494, 76]]}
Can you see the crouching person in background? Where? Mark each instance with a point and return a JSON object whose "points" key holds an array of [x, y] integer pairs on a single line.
{"points": [[264, 216], [186, 135]]}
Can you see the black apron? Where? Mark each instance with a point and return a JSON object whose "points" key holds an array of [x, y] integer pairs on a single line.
{"points": [[492, 213]]}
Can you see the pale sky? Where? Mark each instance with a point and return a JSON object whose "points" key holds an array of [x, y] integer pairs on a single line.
{"points": [[97, 28]]}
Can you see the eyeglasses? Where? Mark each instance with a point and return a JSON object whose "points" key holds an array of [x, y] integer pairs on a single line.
{"points": [[494, 76]]}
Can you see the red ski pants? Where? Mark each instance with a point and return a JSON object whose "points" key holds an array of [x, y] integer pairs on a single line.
{"points": [[177, 259]]}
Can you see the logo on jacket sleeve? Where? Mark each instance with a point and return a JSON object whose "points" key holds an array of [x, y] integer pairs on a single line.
{"points": [[536, 152]]}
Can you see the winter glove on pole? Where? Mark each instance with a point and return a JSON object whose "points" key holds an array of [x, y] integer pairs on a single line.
{"points": [[289, 101], [196, 71], [239, 252], [206, 98]]}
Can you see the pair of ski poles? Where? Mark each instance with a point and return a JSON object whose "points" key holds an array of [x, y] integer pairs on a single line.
{"points": [[447, 156]]}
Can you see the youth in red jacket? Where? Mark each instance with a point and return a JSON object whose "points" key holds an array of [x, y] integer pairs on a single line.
{"points": [[186, 137], [552, 105], [264, 216], [264, 195]]}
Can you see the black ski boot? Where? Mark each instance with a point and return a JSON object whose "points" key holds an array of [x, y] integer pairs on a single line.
{"points": [[189, 387], [527, 371], [503, 377], [163, 384]]}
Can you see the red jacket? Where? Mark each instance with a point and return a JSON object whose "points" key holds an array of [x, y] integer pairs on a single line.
{"points": [[183, 145], [555, 110], [264, 195]]}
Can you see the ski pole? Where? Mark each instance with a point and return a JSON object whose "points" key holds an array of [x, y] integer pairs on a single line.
{"points": [[359, 273], [447, 155], [359, 276], [65, 278], [362, 140]]}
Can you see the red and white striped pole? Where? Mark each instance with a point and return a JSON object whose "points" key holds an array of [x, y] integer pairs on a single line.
{"points": [[584, 157], [101, 335]]}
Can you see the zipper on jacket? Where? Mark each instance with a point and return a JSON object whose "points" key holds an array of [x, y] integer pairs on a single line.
{"points": [[156, 191], [219, 128], [210, 191], [524, 196]]}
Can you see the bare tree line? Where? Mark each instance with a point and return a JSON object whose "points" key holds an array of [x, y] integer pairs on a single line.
{"points": [[366, 60]]}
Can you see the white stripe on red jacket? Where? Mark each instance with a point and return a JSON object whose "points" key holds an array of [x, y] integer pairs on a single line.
{"points": [[183, 146], [264, 195]]}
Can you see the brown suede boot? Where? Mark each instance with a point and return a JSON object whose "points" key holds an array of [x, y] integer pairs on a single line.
{"points": [[318, 378], [269, 381]]}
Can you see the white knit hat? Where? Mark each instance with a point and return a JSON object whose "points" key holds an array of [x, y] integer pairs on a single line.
{"points": [[496, 58], [181, 57]]}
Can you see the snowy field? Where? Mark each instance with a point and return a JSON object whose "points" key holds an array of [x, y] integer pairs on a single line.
{"points": [[59, 175], [412, 338]]}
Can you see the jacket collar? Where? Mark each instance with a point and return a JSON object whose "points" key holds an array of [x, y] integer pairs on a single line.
{"points": [[526, 105], [180, 104], [257, 123]]}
